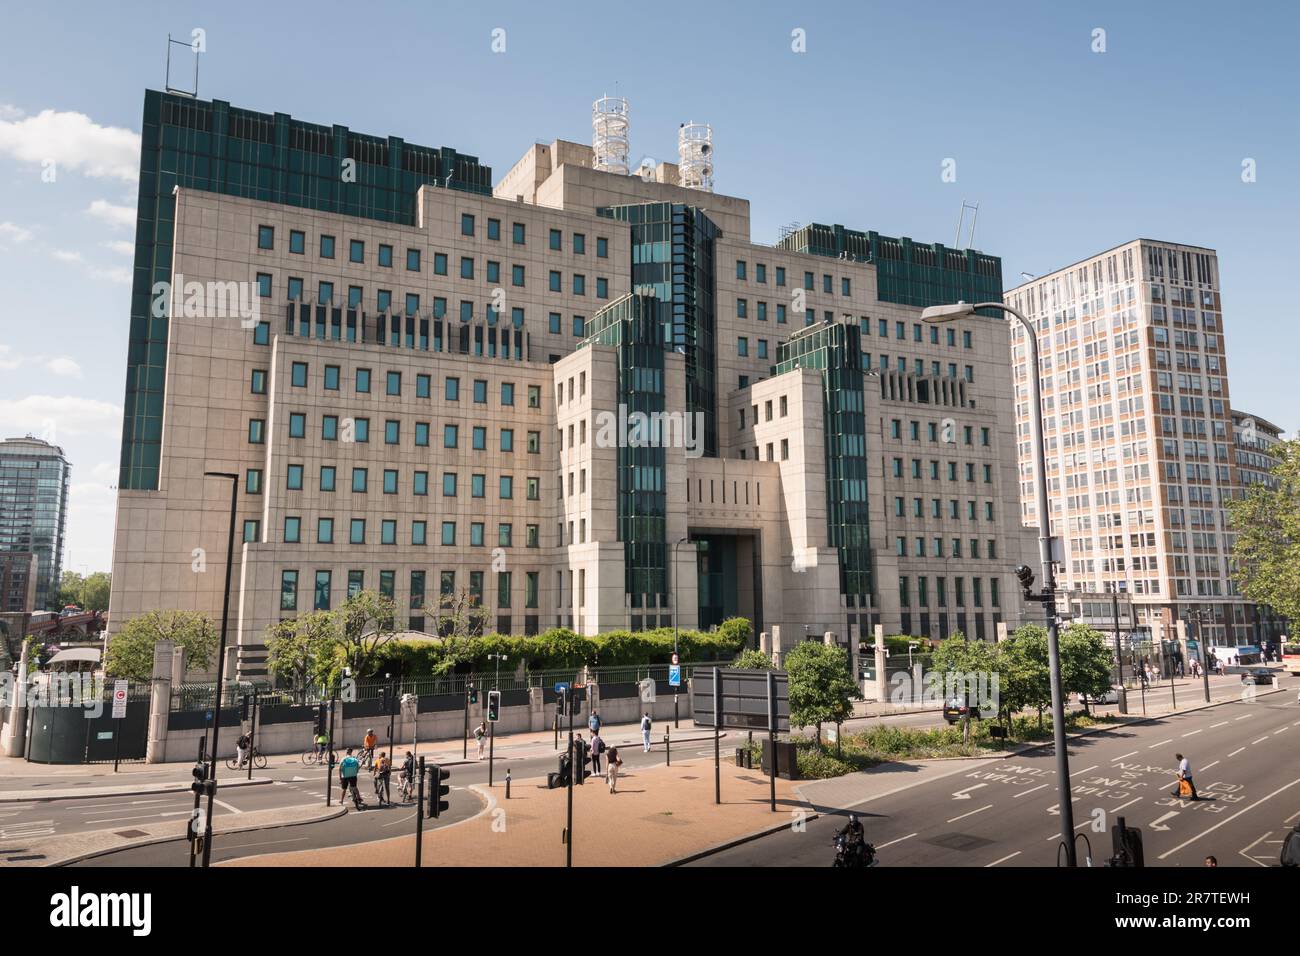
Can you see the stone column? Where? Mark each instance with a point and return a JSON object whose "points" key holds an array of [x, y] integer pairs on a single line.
{"points": [[13, 741], [855, 651], [160, 702], [536, 710], [1001, 631], [778, 651], [765, 643], [882, 681]]}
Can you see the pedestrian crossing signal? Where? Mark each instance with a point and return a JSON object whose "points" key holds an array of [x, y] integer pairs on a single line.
{"points": [[473, 695], [494, 705]]}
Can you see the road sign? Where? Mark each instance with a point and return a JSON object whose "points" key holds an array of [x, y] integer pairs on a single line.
{"points": [[119, 698], [104, 735], [674, 675], [676, 659], [561, 687], [745, 703]]}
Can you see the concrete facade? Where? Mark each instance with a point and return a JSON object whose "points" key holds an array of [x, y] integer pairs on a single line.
{"points": [[540, 546]]}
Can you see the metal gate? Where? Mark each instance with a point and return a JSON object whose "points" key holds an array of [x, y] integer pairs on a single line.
{"points": [[71, 730]]}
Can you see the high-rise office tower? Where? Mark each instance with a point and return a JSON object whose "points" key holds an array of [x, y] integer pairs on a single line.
{"points": [[33, 515]]}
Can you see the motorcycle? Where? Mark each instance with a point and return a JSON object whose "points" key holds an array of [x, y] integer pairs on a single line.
{"points": [[853, 856]]}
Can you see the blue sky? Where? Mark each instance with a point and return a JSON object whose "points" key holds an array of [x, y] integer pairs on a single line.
{"points": [[1068, 151]]}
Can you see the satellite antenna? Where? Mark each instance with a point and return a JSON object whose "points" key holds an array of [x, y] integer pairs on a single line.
{"points": [[167, 85]]}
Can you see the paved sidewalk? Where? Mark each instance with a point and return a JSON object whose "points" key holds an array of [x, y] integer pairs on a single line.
{"points": [[660, 814], [62, 849]]}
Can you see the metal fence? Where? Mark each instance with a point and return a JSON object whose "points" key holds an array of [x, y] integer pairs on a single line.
{"points": [[195, 697]]}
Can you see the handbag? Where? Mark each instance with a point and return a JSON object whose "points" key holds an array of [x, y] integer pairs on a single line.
{"points": [[1184, 788]]}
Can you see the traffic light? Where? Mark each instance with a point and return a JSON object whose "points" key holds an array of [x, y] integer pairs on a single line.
{"points": [[200, 773], [494, 705], [383, 700], [1126, 845], [322, 720], [473, 694], [437, 790], [243, 708]]}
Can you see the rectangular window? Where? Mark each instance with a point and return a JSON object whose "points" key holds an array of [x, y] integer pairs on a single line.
{"points": [[579, 284], [322, 602], [327, 247], [326, 477], [390, 481], [494, 230], [329, 428], [449, 532], [357, 531], [517, 234], [412, 260], [466, 224], [253, 481], [420, 483], [266, 237], [293, 478], [363, 381], [388, 531], [476, 534], [258, 383], [507, 487], [297, 425], [288, 590], [556, 242], [418, 533], [479, 436], [359, 480], [292, 530], [252, 530], [450, 436], [507, 439], [478, 486], [451, 392], [602, 247], [256, 431], [421, 434], [579, 326]]}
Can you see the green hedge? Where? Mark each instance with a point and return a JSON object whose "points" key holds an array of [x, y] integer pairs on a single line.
{"points": [[561, 648]]}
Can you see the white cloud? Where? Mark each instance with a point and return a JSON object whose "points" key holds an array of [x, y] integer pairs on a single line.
{"points": [[12, 232], [10, 112], [121, 247], [111, 214], [62, 365], [119, 275], [72, 141], [48, 416], [63, 255]]}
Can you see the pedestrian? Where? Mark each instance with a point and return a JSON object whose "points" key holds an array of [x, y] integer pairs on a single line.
{"points": [[1211, 861], [597, 748], [593, 723], [615, 762], [407, 776], [241, 748], [480, 737], [579, 757], [349, 767], [368, 747], [1185, 773], [645, 732]]}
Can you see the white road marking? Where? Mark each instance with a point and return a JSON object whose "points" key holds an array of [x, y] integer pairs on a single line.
{"points": [[1209, 765], [1248, 856], [1003, 860], [1084, 770], [965, 794], [971, 814], [899, 840], [1159, 823], [142, 816], [1026, 793], [1229, 819], [1260, 741], [1243, 716], [222, 803], [1129, 754], [1222, 723], [1280, 730], [1161, 744], [1237, 751], [1192, 733]]}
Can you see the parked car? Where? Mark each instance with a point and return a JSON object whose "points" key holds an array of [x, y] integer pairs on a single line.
{"points": [[1111, 696], [1258, 675]]}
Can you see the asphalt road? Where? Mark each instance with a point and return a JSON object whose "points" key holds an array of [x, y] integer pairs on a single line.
{"points": [[1003, 812]]}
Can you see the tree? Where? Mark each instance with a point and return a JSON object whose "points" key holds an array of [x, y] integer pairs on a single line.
{"points": [[1086, 662], [1266, 554], [461, 615], [753, 659], [130, 653], [1024, 677], [821, 687], [967, 666], [366, 623], [95, 590], [304, 649]]}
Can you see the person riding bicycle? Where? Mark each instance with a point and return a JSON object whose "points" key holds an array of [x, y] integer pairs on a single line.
{"points": [[322, 742], [349, 767], [242, 746], [368, 746], [383, 769], [407, 776]]}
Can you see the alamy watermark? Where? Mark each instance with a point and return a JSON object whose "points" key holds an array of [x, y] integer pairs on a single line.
{"points": [[208, 300], [624, 429], [55, 690]]}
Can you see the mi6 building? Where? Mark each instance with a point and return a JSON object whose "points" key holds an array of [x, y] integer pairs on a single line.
{"points": [[581, 396]]}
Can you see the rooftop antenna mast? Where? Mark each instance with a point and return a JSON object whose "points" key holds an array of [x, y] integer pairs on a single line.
{"points": [[195, 46], [974, 207]]}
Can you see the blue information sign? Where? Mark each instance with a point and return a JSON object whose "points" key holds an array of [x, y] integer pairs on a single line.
{"points": [[674, 675]]}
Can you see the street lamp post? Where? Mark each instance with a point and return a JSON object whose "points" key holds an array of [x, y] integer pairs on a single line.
{"points": [[1201, 616], [492, 724], [221, 661], [947, 313], [673, 595]]}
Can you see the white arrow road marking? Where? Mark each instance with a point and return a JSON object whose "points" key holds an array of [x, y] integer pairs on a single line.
{"points": [[965, 794], [1159, 824], [1025, 793], [971, 814], [1055, 810], [1230, 819], [892, 842], [1003, 860], [1246, 852]]}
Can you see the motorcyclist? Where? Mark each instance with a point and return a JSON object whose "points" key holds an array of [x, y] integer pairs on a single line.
{"points": [[855, 837]]}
